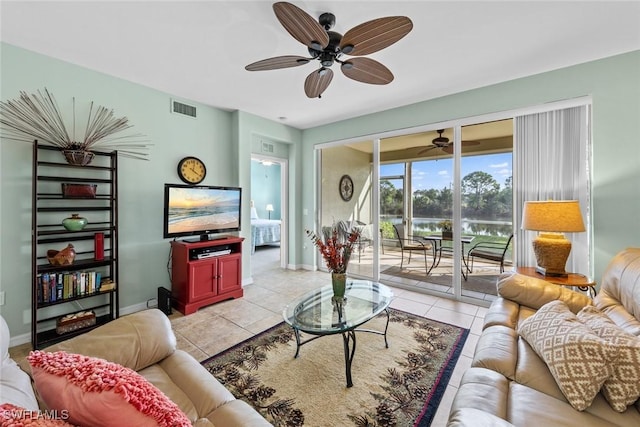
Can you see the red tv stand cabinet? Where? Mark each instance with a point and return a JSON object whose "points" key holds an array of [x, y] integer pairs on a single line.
{"points": [[195, 282]]}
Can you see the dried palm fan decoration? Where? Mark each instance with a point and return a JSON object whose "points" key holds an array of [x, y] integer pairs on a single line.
{"points": [[38, 117]]}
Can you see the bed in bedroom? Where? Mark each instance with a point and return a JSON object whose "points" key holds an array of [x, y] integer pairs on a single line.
{"points": [[263, 231]]}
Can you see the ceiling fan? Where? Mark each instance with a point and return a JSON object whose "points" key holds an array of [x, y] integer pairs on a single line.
{"points": [[328, 47], [444, 144]]}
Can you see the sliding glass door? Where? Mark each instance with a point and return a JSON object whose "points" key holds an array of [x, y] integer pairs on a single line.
{"points": [[438, 204], [415, 204], [392, 199], [346, 190], [486, 208], [419, 191]]}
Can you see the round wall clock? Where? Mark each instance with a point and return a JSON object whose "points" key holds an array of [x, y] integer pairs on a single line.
{"points": [[191, 170], [346, 188]]}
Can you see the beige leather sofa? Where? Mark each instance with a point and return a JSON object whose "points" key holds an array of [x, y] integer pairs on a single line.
{"points": [[508, 384], [144, 342]]}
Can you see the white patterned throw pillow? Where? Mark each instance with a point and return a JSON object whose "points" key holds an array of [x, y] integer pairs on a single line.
{"points": [[623, 387], [578, 359]]}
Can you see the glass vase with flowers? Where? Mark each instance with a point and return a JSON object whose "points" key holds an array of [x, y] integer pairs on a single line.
{"points": [[336, 248]]}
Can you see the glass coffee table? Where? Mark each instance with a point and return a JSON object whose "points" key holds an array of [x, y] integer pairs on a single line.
{"points": [[318, 313]]}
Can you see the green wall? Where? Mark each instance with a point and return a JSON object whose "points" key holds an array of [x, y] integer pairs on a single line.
{"points": [[220, 138], [265, 189], [614, 85], [336, 162], [251, 130], [224, 141]]}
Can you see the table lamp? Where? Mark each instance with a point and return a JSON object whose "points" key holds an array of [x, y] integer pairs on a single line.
{"points": [[269, 209], [552, 218]]}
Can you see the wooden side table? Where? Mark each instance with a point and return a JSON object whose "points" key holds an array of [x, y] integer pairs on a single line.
{"points": [[580, 281]]}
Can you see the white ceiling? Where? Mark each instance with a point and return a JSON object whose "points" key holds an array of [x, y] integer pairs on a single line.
{"points": [[198, 50]]}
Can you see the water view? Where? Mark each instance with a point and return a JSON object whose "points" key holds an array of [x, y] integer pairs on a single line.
{"points": [[469, 226]]}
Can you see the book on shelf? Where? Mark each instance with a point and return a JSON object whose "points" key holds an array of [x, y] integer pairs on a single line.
{"points": [[53, 292], [52, 287], [107, 285], [60, 287]]}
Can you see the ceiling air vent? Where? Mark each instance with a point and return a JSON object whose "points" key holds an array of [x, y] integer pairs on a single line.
{"points": [[184, 109], [267, 148]]}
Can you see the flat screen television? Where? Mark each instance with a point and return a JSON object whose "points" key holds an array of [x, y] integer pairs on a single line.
{"points": [[201, 210]]}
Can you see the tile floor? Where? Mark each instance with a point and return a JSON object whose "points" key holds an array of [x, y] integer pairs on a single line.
{"points": [[391, 257], [274, 288], [220, 326]]}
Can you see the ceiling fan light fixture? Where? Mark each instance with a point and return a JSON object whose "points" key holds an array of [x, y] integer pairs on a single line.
{"points": [[314, 53], [440, 141], [327, 20], [334, 41], [347, 49], [326, 59], [316, 45], [328, 46]]}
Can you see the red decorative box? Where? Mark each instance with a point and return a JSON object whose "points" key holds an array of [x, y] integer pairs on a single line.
{"points": [[79, 191]]}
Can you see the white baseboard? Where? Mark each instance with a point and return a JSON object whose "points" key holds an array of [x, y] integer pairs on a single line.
{"points": [[19, 340], [294, 267], [26, 338], [133, 308], [299, 267]]}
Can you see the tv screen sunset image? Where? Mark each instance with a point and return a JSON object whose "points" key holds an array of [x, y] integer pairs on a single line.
{"points": [[203, 209]]}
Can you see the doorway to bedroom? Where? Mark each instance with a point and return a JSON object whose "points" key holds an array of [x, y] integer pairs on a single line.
{"points": [[268, 213]]}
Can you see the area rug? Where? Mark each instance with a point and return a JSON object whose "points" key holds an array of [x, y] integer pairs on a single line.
{"points": [[481, 280], [397, 386]]}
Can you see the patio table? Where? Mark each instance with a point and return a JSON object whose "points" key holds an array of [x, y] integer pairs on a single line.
{"points": [[437, 240]]}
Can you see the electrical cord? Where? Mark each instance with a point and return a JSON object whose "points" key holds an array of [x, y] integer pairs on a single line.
{"points": [[169, 272]]}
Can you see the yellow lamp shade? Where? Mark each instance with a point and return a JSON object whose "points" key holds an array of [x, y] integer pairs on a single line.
{"points": [[552, 218], [560, 216]]}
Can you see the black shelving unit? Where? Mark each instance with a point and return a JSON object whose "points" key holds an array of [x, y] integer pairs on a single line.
{"points": [[49, 208]]}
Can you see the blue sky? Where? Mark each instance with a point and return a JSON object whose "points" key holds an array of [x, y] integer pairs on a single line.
{"points": [[439, 173]]}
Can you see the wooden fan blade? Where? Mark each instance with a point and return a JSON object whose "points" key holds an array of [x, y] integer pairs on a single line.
{"points": [[469, 143], [277, 62], [449, 148], [367, 70], [301, 25], [375, 35], [317, 82], [425, 150]]}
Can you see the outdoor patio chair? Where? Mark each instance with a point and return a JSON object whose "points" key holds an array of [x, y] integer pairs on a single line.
{"points": [[365, 240], [491, 251], [413, 244], [344, 228]]}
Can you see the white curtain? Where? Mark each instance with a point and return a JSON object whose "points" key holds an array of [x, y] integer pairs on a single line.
{"points": [[552, 162]]}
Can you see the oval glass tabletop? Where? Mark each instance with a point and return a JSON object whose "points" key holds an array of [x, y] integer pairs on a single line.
{"points": [[318, 313]]}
